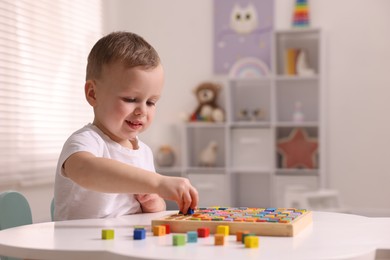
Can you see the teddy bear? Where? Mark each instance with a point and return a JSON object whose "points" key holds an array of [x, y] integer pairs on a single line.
{"points": [[207, 111]]}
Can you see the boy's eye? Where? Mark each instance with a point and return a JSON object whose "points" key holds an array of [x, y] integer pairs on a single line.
{"points": [[135, 100], [151, 103], [129, 100]]}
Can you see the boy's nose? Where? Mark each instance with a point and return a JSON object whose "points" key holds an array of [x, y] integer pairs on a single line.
{"points": [[140, 110]]}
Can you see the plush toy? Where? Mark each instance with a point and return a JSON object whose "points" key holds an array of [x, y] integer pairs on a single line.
{"points": [[208, 156], [207, 110], [165, 156]]}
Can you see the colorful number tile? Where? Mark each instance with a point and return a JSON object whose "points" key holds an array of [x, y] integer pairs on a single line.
{"points": [[159, 230], [203, 232], [167, 228], [251, 242], [223, 229], [189, 212], [192, 236], [108, 234], [179, 240], [219, 239], [139, 234], [239, 235], [246, 235]]}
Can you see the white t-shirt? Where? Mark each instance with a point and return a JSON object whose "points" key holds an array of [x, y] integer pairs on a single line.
{"points": [[75, 202]]}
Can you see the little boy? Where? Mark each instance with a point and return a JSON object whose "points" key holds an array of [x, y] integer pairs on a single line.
{"points": [[104, 170]]}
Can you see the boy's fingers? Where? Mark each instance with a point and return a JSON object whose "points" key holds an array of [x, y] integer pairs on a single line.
{"points": [[194, 198], [187, 201], [180, 205]]}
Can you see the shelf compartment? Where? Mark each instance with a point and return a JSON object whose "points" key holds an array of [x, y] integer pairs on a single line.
{"points": [[199, 136], [298, 150], [250, 101], [307, 40], [297, 101], [251, 147]]}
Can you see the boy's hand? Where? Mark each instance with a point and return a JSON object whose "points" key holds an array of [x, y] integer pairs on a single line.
{"points": [[151, 202], [180, 190]]}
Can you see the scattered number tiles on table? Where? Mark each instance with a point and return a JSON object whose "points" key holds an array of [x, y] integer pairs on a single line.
{"points": [[259, 221]]}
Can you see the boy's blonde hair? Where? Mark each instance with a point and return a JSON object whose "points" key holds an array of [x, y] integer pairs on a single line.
{"points": [[128, 48]]}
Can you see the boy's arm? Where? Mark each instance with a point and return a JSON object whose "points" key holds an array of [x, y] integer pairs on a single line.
{"points": [[111, 176]]}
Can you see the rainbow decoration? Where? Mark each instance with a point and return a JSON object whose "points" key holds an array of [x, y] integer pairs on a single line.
{"points": [[249, 67], [301, 14]]}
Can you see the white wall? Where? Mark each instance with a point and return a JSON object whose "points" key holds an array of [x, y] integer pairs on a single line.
{"points": [[358, 82], [358, 85], [358, 100]]}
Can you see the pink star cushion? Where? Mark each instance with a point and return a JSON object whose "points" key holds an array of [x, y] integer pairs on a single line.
{"points": [[298, 150]]}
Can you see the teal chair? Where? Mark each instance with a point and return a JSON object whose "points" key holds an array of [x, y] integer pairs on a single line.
{"points": [[14, 211]]}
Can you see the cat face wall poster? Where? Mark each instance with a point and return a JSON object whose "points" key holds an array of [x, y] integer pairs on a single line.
{"points": [[243, 37]]}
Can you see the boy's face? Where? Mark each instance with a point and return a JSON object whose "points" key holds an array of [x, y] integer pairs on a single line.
{"points": [[124, 100]]}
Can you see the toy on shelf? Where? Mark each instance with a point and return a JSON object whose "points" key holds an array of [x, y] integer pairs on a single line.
{"points": [[258, 114], [165, 156], [301, 14], [298, 115], [291, 55], [208, 156], [296, 62], [298, 150], [302, 65], [247, 115], [208, 110], [243, 115]]}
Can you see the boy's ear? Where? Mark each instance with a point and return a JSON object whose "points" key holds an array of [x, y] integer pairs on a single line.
{"points": [[90, 92]]}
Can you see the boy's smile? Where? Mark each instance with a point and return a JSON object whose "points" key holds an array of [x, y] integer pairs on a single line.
{"points": [[124, 100], [134, 124]]}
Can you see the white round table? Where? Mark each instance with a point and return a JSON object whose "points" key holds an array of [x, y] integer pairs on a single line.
{"points": [[331, 236]]}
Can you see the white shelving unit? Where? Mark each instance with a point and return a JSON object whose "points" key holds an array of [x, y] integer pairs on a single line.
{"points": [[248, 170]]}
